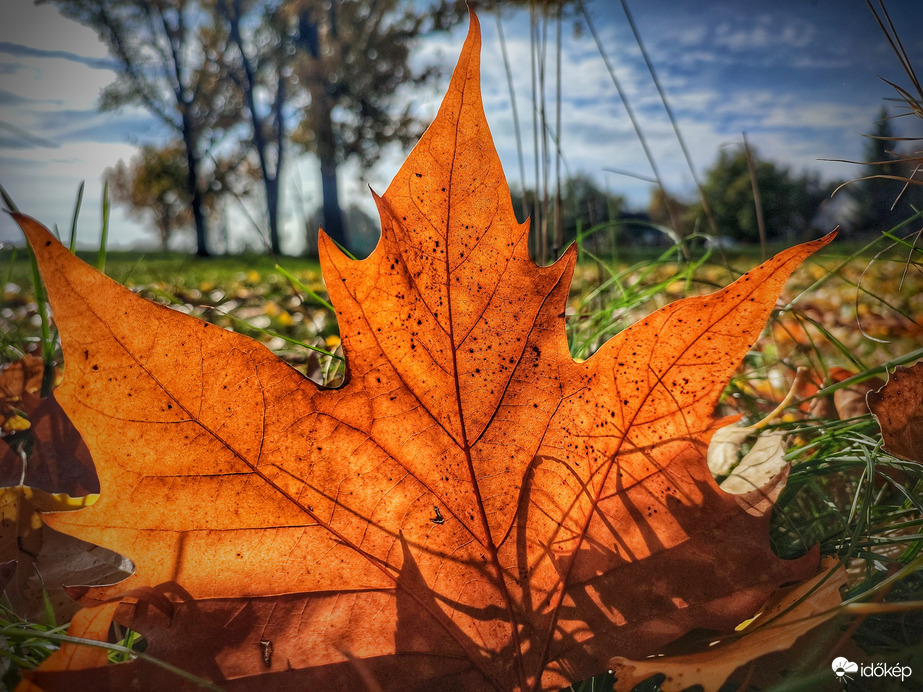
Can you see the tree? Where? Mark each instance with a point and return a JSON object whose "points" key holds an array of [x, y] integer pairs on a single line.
{"points": [[168, 54], [353, 57], [583, 206], [262, 65], [155, 182], [788, 202]]}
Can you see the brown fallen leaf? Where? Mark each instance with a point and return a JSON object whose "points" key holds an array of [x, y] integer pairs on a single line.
{"points": [[59, 461], [20, 527], [20, 384], [847, 402], [898, 406], [57, 475], [42, 561], [12, 466], [850, 402], [471, 509], [789, 615], [20, 376]]}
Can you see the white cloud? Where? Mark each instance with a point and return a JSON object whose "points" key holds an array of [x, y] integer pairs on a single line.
{"points": [[45, 186], [702, 57], [44, 28], [55, 82], [761, 32]]}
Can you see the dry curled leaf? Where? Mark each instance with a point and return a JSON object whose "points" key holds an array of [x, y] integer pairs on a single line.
{"points": [[762, 471], [898, 406], [789, 615], [56, 475], [757, 468], [471, 509]]}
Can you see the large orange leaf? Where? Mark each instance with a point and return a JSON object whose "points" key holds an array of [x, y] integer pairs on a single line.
{"points": [[472, 508]]}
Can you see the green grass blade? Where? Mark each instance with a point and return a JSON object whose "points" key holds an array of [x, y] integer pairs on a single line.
{"points": [[48, 606], [872, 372], [343, 249], [21, 632], [833, 272], [303, 288], [104, 238], [73, 239], [262, 330], [9, 270], [47, 341], [10, 204]]}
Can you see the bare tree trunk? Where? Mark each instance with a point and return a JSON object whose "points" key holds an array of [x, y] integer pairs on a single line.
{"points": [[176, 33], [270, 177], [166, 230], [198, 215], [271, 186], [333, 215], [326, 152]]}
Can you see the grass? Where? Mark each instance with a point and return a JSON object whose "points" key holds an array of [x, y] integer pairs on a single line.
{"points": [[284, 306], [248, 293], [26, 644], [845, 492]]}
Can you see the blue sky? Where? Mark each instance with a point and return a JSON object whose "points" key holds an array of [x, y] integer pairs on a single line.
{"points": [[800, 77]]}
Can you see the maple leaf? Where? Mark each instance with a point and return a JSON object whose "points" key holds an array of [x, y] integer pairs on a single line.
{"points": [[472, 508]]}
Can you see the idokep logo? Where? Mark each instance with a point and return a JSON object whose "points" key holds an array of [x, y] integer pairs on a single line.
{"points": [[844, 669]]}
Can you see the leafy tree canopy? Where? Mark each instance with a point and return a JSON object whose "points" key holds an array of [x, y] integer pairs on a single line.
{"points": [[884, 196], [788, 201], [169, 56]]}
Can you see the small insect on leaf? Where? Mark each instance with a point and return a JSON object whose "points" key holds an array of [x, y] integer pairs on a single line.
{"points": [[266, 650]]}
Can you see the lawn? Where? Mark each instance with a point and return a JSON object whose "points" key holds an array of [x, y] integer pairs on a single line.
{"points": [[853, 305], [846, 316]]}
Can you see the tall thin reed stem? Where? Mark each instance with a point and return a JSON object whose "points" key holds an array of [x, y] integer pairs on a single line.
{"points": [[673, 122], [524, 200]]}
